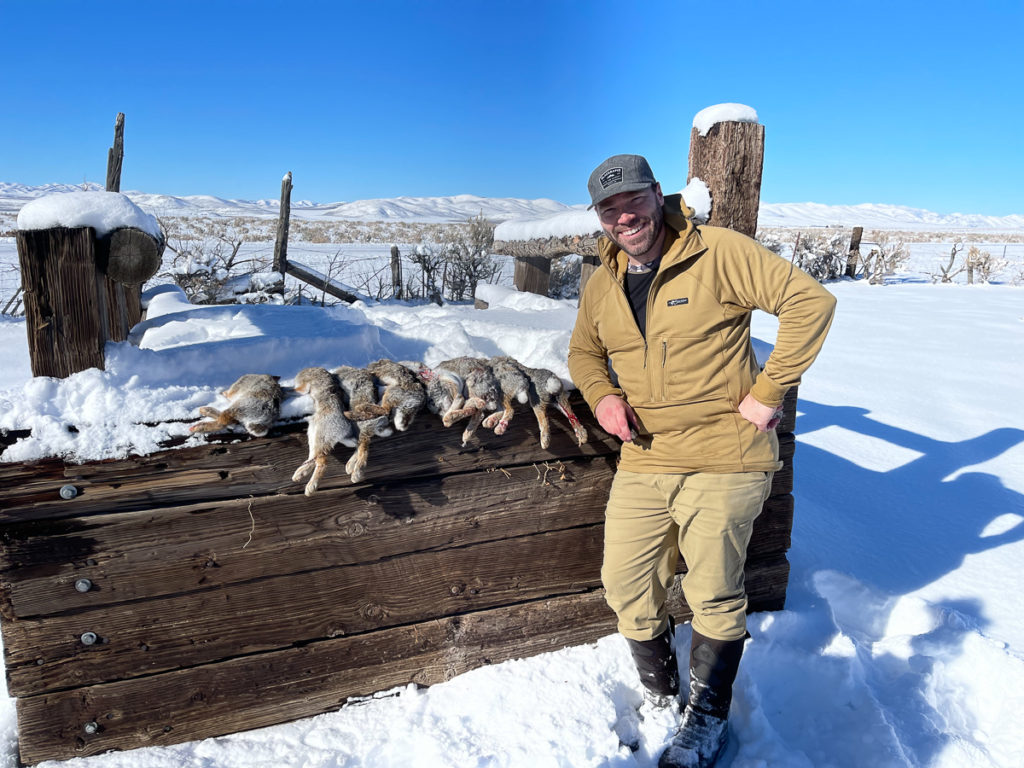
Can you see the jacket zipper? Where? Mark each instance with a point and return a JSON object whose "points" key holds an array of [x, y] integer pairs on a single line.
{"points": [[625, 298], [664, 359], [650, 306]]}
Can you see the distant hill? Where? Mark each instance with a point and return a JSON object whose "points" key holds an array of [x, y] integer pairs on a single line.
{"points": [[461, 207]]}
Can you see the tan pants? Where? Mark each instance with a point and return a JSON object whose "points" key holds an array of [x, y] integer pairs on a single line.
{"points": [[707, 517]]}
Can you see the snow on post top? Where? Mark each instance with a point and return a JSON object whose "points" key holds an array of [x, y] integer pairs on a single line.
{"points": [[723, 113], [577, 221], [103, 211]]}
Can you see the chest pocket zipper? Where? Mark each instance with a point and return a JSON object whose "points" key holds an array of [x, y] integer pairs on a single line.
{"points": [[664, 373]]}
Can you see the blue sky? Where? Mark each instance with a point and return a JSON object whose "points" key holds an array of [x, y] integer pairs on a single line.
{"points": [[907, 103]]}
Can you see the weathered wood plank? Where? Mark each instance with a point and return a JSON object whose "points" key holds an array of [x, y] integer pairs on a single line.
{"points": [[153, 553], [261, 466], [269, 688], [142, 637], [156, 552], [185, 630], [265, 689], [319, 281]]}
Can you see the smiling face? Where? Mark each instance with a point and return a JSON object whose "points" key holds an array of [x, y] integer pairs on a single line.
{"points": [[634, 221]]}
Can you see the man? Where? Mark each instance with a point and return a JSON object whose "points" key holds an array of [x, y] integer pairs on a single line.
{"points": [[662, 353]]}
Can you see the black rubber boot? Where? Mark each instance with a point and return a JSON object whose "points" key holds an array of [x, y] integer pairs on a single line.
{"points": [[704, 731], [656, 663]]}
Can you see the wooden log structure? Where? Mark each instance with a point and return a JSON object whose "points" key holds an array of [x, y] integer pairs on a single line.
{"points": [[532, 258], [853, 255], [283, 221], [196, 591], [319, 281], [115, 156], [396, 273], [729, 160], [81, 291]]}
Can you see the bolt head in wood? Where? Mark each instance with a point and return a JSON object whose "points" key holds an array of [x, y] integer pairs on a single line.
{"points": [[83, 585], [91, 727], [89, 638], [68, 491]]}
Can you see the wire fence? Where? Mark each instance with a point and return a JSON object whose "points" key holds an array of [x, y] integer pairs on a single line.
{"points": [[366, 267]]}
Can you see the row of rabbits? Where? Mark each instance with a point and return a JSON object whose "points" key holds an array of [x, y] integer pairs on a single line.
{"points": [[352, 405]]}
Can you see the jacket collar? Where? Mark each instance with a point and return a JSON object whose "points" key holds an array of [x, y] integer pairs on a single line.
{"points": [[682, 240]]}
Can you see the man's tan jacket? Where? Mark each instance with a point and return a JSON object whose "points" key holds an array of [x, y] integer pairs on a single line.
{"points": [[685, 382]]}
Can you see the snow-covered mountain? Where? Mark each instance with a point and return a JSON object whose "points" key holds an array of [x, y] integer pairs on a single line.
{"points": [[879, 216], [458, 208], [461, 207]]}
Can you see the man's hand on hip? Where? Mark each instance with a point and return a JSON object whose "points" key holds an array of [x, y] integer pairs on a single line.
{"points": [[616, 417], [764, 417]]}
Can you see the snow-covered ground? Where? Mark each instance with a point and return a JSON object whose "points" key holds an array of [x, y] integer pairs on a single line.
{"points": [[902, 643]]}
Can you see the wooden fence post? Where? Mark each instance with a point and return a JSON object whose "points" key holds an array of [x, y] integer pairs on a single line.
{"points": [[281, 243], [587, 268], [396, 273], [115, 156], [533, 274], [854, 255], [65, 303], [729, 161], [81, 292]]}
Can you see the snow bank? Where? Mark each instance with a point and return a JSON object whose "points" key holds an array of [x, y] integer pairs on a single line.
{"points": [[103, 211]]}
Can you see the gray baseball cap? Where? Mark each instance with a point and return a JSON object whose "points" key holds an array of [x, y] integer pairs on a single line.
{"points": [[619, 173]]}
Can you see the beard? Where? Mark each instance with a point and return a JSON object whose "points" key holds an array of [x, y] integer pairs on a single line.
{"points": [[651, 233]]}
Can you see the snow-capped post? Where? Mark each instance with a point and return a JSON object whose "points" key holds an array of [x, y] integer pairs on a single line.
{"points": [[83, 257], [853, 257], [727, 154], [281, 244], [115, 156], [396, 273]]}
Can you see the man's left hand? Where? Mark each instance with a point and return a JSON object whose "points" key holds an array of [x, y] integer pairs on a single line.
{"points": [[764, 417]]}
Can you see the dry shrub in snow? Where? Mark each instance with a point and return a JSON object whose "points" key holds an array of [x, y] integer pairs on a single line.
{"points": [[885, 259], [564, 280], [210, 271], [822, 255], [951, 269], [467, 253], [455, 262], [982, 266]]}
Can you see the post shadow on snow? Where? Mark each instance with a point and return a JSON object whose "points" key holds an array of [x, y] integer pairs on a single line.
{"points": [[280, 352]]}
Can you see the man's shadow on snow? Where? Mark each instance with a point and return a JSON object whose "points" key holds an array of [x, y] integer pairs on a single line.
{"points": [[864, 538], [903, 528]]}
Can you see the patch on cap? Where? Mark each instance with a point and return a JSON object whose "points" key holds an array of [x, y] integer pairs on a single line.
{"points": [[611, 176]]}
